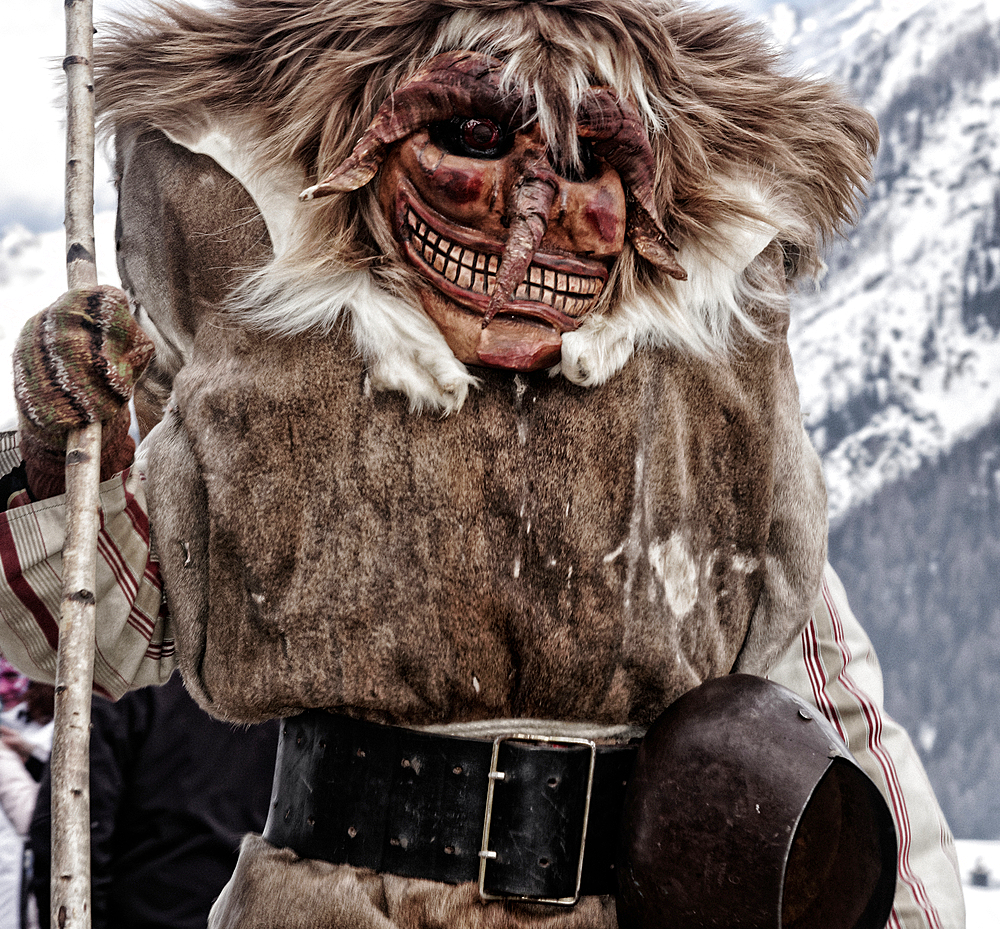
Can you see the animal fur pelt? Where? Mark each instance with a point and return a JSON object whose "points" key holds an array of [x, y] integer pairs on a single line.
{"points": [[579, 545], [341, 897]]}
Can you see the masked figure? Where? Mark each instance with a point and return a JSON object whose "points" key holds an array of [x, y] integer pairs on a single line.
{"points": [[469, 326]]}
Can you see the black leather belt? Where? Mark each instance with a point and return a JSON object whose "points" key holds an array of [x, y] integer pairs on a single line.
{"points": [[527, 817]]}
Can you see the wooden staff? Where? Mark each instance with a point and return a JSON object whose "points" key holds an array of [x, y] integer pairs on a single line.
{"points": [[70, 884]]}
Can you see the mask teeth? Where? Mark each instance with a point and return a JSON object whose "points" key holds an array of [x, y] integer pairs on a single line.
{"points": [[476, 272]]}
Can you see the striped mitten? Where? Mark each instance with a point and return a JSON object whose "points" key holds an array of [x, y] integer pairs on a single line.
{"points": [[75, 363]]}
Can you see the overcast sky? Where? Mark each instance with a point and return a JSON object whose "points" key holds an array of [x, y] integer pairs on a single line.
{"points": [[32, 46]]}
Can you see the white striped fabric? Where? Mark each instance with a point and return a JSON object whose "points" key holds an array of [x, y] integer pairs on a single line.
{"points": [[135, 642], [834, 666]]}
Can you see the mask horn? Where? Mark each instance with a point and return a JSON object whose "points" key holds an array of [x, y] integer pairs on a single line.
{"points": [[614, 129], [529, 219]]}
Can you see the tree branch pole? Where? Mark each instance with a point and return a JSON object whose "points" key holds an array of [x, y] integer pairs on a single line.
{"points": [[70, 884]]}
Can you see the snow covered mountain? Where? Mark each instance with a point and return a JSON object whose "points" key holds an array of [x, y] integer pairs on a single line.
{"points": [[898, 359], [898, 354]]}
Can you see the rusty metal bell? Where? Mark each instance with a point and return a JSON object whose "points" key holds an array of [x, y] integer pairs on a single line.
{"points": [[747, 811]]}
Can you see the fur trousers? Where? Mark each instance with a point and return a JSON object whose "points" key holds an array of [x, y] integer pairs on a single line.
{"points": [[274, 888]]}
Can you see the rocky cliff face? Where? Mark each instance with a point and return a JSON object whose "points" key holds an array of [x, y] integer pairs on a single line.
{"points": [[921, 561]]}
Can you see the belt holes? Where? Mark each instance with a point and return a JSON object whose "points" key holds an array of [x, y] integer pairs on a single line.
{"points": [[543, 862], [553, 782], [457, 769], [311, 820], [352, 831]]}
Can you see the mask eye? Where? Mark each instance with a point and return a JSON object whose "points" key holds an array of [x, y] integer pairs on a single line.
{"points": [[589, 164], [472, 137], [480, 135]]}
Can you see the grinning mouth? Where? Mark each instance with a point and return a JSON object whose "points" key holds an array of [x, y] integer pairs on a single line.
{"points": [[558, 291]]}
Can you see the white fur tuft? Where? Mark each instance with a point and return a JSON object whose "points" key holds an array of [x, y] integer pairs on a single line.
{"points": [[402, 347], [407, 352]]}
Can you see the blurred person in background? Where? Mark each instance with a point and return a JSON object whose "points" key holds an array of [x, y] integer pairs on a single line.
{"points": [[18, 790], [26, 721], [172, 793]]}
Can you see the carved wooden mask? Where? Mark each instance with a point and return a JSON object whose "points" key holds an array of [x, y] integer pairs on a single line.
{"points": [[514, 251]]}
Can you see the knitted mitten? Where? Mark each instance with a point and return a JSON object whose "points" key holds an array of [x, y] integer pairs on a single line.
{"points": [[75, 363]]}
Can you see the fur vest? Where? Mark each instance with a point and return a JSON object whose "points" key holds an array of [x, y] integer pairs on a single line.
{"points": [[550, 551]]}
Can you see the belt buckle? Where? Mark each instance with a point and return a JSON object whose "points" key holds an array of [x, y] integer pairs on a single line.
{"points": [[485, 855]]}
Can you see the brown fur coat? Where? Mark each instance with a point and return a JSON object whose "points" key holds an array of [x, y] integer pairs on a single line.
{"points": [[552, 551]]}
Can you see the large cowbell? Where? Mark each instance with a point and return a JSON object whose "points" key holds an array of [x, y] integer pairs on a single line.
{"points": [[746, 810]]}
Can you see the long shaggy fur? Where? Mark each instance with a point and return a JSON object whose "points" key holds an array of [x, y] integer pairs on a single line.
{"points": [[748, 159]]}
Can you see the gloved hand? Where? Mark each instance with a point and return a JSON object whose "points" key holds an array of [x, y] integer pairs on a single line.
{"points": [[75, 363]]}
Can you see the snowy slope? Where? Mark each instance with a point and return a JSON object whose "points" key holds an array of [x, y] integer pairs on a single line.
{"points": [[898, 354], [982, 904]]}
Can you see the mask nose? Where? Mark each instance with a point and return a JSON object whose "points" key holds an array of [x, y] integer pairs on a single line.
{"points": [[530, 205]]}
